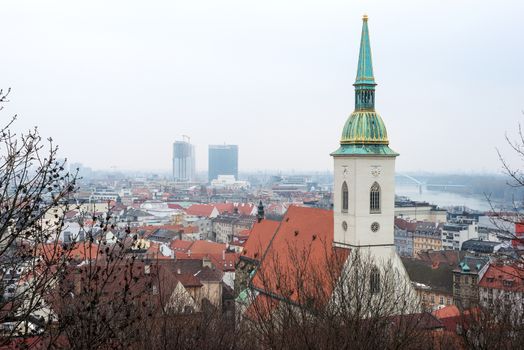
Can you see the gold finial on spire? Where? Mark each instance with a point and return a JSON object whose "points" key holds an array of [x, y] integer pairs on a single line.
{"points": [[365, 17]]}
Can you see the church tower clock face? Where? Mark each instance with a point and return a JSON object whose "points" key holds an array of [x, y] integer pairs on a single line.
{"points": [[364, 174]]}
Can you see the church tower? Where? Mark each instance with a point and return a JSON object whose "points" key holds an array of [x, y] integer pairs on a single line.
{"points": [[364, 183]]}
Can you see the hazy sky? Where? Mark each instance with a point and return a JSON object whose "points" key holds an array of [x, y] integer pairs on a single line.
{"points": [[116, 82]]}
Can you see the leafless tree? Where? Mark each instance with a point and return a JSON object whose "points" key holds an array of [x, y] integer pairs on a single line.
{"points": [[335, 301], [171, 322], [505, 219], [100, 298], [499, 325], [35, 191]]}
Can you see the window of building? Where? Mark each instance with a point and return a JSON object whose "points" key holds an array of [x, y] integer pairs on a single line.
{"points": [[441, 300], [345, 197], [374, 281], [374, 198]]}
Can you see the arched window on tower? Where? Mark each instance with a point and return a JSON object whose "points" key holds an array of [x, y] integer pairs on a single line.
{"points": [[345, 197], [374, 198], [374, 280]]}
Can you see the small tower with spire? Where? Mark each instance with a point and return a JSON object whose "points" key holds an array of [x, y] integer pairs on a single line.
{"points": [[364, 169], [260, 213]]}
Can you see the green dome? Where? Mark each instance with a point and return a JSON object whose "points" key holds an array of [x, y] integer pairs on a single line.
{"points": [[364, 127], [364, 133]]}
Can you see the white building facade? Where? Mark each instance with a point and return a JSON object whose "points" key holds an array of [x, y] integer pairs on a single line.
{"points": [[454, 234]]}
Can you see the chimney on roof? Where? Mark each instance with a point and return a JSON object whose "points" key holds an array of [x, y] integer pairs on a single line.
{"points": [[178, 271], [189, 252], [224, 254]]}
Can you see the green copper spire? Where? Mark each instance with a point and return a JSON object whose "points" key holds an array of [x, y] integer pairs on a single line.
{"points": [[365, 82], [364, 133], [365, 65]]}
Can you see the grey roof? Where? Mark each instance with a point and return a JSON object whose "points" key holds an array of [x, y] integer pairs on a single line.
{"points": [[163, 233], [479, 246], [439, 277], [472, 264], [454, 227], [137, 212], [194, 267]]}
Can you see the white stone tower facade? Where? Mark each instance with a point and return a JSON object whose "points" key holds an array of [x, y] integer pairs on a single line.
{"points": [[364, 172]]}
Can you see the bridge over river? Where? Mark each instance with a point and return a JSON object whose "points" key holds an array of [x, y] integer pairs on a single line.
{"points": [[423, 186]]}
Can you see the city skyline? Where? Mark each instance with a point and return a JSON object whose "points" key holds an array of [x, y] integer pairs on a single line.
{"points": [[363, 251], [274, 79]]}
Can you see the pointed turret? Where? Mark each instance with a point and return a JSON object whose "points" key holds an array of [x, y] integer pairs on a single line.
{"points": [[260, 214]]}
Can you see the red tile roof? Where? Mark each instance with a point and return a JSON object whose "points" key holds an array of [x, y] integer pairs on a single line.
{"points": [[224, 208], [302, 246], [188, 280], [245, 208], [504, 277], [409, 226], [259, 239], [446, 312], [190, 229], [221, 258], [451, 317], [154, 252], [179, 245], [207, 247], [200, 210], [52, 252], [147, 231]]}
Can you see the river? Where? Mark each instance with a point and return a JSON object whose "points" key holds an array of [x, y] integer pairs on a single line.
{"points": [[442, 198]]}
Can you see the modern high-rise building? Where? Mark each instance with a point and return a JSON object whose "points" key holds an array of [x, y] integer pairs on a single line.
{"points": [[183, 161], [223, 160]]}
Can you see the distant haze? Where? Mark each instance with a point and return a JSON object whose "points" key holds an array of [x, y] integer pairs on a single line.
{"points": [[115, 83]]}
